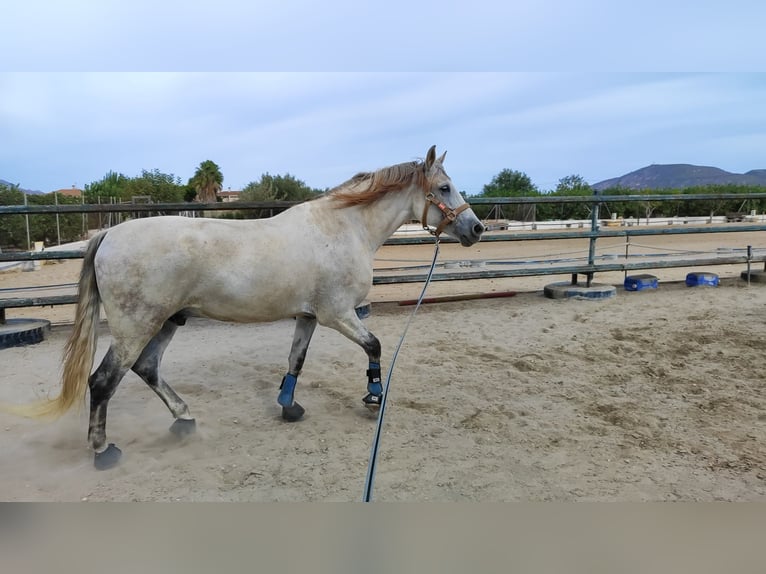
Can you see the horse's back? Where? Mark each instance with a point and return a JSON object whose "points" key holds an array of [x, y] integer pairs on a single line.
{"points": [[178, 260]]}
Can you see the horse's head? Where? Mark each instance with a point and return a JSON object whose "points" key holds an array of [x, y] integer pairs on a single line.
{"points": [[429, 190], [443, 207]]}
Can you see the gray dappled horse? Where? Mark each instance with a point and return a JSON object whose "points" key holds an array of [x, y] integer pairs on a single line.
{"points": [[313, 262]]}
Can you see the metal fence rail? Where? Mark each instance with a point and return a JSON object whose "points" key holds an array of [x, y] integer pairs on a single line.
{"points": [[583, 269], [381, 277]]}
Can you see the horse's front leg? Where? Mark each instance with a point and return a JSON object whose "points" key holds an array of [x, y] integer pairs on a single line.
{"points": [[374, 385], [304, 329], [352, 327]]}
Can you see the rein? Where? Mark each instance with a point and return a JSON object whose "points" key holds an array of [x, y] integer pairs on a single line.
{"points": [[376, 440], [450, 215]]}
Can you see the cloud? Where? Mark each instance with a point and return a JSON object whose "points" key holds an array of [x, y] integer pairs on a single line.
{"points": [[61, 128]]}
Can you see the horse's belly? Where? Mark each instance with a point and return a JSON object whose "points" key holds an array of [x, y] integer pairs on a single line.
{"points": [[246, 315], [254, 308]]}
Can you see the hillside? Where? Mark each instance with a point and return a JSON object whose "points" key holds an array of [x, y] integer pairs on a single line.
{"points": [[679, 176], [28, 191]]}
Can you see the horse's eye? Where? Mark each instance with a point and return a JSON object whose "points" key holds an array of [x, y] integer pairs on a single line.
{"points": [[444, 188]]}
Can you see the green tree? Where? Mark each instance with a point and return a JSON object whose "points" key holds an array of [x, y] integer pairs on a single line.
{"points": [[13, 231], [571, 185], [625, 209], [650, 206], [46, 227], [112, 185], [42, 227], [510, 183], [274, 188], [278, 188], [207, 181], [160, 187], [721, 206]]}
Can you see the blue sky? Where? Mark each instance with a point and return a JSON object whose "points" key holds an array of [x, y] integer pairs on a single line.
{"points": [[550, 88]]}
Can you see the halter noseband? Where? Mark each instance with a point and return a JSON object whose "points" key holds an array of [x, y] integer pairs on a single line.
{"points": [[450, 214]]}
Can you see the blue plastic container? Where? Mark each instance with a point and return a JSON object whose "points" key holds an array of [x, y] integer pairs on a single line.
{"points": [[701, 278], [640, 282]]}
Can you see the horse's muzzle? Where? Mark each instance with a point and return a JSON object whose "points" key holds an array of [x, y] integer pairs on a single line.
{"points": [[468, 228]]}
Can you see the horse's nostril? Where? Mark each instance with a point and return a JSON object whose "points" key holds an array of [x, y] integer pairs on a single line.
{"points": [[478, 229]]}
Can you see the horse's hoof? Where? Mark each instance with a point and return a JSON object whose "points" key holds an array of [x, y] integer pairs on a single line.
{"points": [[183, 427], [293, 413], [108, 458], [372, 402]]}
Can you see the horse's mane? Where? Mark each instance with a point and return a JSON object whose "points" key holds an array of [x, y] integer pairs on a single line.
{"points": [[367, 187]]}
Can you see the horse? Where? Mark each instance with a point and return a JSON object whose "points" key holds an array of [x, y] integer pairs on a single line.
{"points": [[312, 262]]}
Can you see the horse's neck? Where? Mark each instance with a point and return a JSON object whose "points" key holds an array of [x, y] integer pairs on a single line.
{"points": [[382, 218]]}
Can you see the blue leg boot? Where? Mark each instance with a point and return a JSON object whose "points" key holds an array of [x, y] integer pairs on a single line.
{"points": [[291, 411], [374, 388]]}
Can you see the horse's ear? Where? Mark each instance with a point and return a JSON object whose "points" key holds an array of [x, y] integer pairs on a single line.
{"points": [[441, 158], [430, 158]]}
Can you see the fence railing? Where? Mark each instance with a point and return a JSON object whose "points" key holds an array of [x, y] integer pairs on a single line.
{"points": [[594, 232], [144, 207]]}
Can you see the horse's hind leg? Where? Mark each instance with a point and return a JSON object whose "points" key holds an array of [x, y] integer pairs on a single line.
{"points": [[304, 329], [148, 368], [103, 383], [120, 357]]}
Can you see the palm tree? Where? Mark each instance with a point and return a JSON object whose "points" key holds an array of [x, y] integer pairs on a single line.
{"points": [[207, 181]]}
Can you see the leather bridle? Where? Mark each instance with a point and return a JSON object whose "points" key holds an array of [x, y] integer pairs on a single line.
{"points": [[450, 214]]}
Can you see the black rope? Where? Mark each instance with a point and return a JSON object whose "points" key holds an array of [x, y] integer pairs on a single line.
{"points": [[371, 467]]}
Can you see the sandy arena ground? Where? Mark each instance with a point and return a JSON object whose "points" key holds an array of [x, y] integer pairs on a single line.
{"points": [[649, 396]]}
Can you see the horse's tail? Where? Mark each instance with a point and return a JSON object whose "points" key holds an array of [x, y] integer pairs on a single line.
{"points": [[80, 348]]}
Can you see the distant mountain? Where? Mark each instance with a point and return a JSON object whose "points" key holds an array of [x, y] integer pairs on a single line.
{"points": [[679, 176], [27, 191]]}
